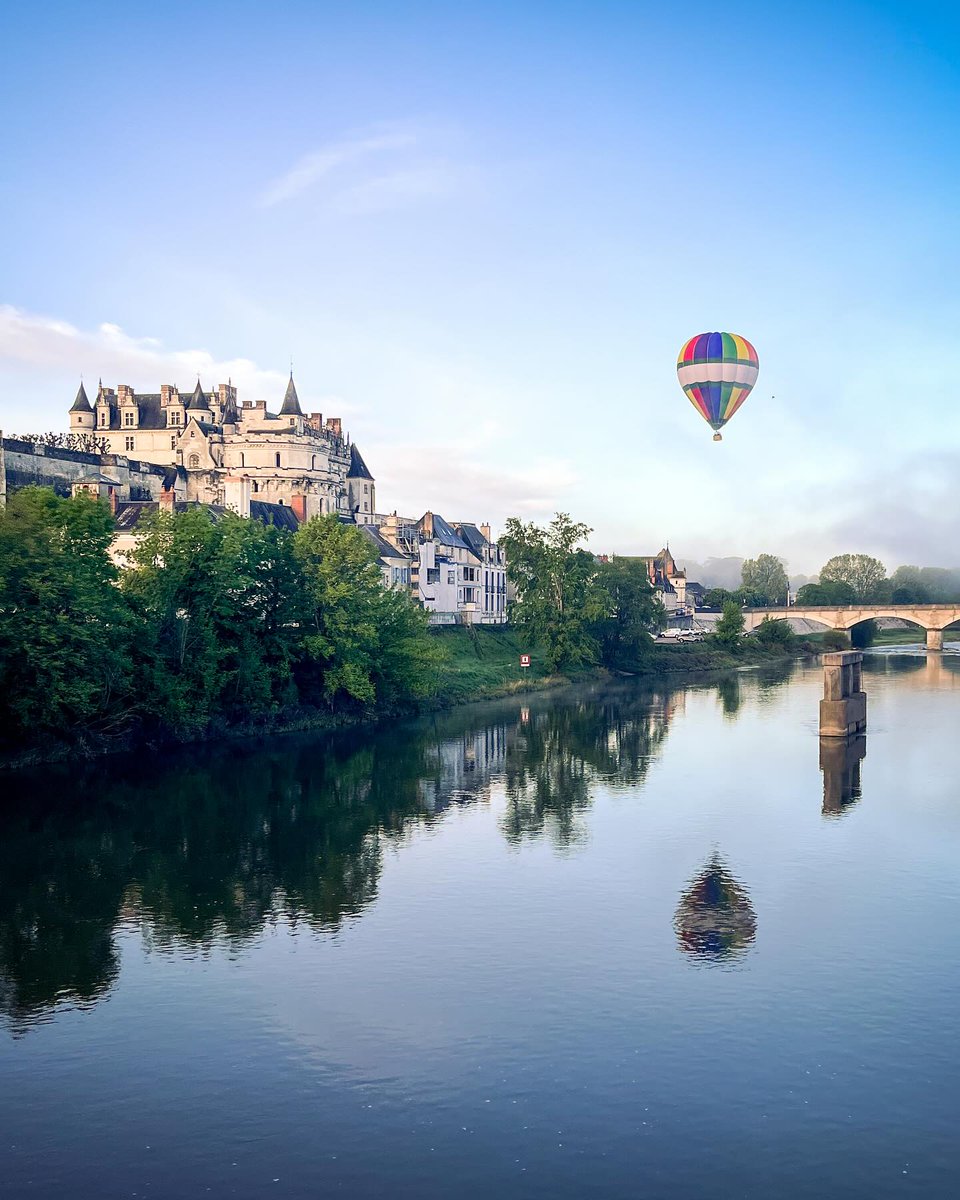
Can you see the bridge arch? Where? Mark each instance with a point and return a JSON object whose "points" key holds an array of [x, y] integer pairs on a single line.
{"points": [[932, 618]]}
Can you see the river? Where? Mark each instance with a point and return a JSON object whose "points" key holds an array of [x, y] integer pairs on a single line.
{"points": [[614, 941]]}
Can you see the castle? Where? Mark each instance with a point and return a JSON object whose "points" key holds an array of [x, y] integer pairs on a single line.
{"points": [[220, 449]]}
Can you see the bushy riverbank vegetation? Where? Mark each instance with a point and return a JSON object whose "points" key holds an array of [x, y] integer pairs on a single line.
{"points": [[215, 623], [225, 624]]}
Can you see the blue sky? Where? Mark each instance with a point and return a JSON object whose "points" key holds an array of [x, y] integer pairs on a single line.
{"points": [[482, 234]]}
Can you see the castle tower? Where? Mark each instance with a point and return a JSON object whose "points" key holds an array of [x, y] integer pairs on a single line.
{"points": [[361, 488], [81, 413]]}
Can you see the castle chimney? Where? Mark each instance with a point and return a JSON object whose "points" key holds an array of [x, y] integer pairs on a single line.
{"points": [[299, 505], [168, 499], [236, 494], [485, 530]]}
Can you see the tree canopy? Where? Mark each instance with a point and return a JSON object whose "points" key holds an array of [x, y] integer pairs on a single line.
{"points": [[765, 577], [865, 575], [217, 619], [580, 610], [558, 600]]}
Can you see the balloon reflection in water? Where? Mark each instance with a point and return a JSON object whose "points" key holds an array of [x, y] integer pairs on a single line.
{"points": [[715, 919]]}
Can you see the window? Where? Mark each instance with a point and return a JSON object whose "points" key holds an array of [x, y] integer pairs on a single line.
{"points": [[194, 462], [128, 443], [128, 417], [278, 458], [103, 417], [451, 577], [433, 574], [366, 487], [173, 442], [174, 416], [241, 459]]}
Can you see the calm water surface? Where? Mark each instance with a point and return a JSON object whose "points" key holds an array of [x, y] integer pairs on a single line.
{"points": [[611, 942]]}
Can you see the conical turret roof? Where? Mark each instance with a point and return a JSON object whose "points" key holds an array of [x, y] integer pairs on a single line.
{"points": [[291, 401], [198, 399], [358, 468], [81, 404]]}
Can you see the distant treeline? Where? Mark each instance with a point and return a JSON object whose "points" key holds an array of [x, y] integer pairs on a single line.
{"points": [[844, 579], [216, 622]]}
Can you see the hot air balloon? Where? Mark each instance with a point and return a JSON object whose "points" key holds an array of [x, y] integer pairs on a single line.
{"points": [[717, 371]]}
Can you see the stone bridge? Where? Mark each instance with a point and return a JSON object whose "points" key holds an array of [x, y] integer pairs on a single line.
{"points": [[934, 618]]}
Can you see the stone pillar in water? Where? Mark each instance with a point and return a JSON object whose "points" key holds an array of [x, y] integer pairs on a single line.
{"points": [[934, 639], [843, 709]]}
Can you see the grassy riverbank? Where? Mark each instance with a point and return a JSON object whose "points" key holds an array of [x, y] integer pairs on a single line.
{"points": [[484, 662]]}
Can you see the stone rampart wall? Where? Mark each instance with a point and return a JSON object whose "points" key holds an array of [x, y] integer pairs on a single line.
{"points": [[31, 464]]}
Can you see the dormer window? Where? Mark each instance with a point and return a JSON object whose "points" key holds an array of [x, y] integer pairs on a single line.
{"points": [[128, 417], [174, 416], [104, 413]]}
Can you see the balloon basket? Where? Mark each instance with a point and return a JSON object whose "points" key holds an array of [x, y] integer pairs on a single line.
{"points": [[717, 437]]}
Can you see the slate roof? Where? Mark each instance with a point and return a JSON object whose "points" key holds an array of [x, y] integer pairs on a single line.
{"points": [[130, 513], [358, 468], [384, 548], [198, 399], [281, 515], [81, 404], [203, 426], [99, 477], [472, 536], [291, 401], [445, 534]]}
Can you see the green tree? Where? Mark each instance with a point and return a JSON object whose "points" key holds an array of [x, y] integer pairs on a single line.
{"points": [[863, 634], [363, 643], [218, 601], [826, 594], [716, 597], [558, 600], [865, 575], [729, 628], [772, 633], [632, 612], [765, 576], [64, 627]]}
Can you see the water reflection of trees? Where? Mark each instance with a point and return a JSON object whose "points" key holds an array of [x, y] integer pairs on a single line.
{"points": [[551, 767], [209, 847]]}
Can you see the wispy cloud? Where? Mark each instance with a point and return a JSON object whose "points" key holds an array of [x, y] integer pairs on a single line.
{"points": [[318, 164], [434, 181], [384, 167]]}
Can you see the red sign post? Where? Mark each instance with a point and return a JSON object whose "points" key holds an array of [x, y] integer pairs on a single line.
{"points": [[524, 660]]}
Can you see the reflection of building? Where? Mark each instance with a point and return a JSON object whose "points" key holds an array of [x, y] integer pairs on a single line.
{"points": [[840, 761], [465, 766], [715, 918]]}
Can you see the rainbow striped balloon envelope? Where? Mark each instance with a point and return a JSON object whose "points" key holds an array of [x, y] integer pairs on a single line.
{"points": [[717, 371]]}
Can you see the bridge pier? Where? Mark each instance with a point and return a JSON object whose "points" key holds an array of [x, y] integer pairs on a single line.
{"points": [[843, 709], [934, 639]]}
